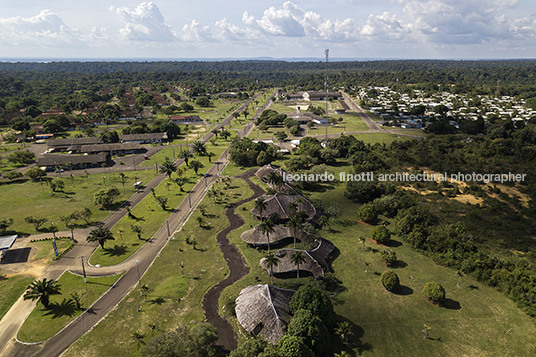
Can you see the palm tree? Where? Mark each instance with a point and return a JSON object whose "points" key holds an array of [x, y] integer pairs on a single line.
{"points": [[137, 228], [186, 155], [137, 337], [100, 235], [152, 326], [344, 330], [210, 154], [272, 261], [362, 239], [144, 290], [267, 227], [168, 167], [297, 258], [295, 222], [123, 177], [120, 231], [260, 205], [198, 148], [180, 181], [42, 290], [182, 265], [196, 165], [276, 180]]}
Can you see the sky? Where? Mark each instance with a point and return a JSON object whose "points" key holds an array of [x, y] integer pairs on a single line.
{"points": [[221, 29]]}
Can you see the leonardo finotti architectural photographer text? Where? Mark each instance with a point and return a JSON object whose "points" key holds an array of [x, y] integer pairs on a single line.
{"points": [[406, 177]]}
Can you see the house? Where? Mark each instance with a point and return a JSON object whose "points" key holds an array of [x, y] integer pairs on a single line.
{"points": [[304, 118], [112, 148], [49, 162], [71, 144], [263, 310], [186, 119], [314, 96], [147, 138], [6, 242], [315, 260], [266, 170], [256, 237], [279, 204]]}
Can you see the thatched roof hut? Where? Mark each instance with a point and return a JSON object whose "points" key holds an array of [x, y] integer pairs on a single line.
{"points": [[264, 171], [254, 236], [263, 310], [315, 260], [278, 203]]}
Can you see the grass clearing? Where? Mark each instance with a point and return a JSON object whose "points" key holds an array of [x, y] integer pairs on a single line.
{"points": [[45, 323], [11, 289], [149, 215], [173, 299], [34, 198]]}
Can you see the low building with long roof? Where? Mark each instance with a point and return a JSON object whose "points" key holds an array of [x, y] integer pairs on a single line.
{"points": [[279, 204]]}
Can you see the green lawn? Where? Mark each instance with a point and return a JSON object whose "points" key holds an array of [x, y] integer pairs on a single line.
{"points": [[46, 249], [34, 198], [173, 299], [149, 215], [477, 320], [11, 289], [45, 323]]}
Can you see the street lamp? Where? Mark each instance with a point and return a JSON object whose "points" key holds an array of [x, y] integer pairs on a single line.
{"points": [[168, 235], [54, 238], [83, 268]]}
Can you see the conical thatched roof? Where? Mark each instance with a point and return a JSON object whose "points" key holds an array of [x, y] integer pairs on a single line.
{"points": [[263, 310], [315, 260], [278, 203], [254, 235]]}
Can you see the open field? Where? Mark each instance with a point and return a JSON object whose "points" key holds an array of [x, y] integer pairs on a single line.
{"points": [[12, 288], [174, 299], [45, 323], [34, 198], [149, 215]]}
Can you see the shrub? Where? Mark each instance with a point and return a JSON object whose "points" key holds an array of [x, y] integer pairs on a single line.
{"points": [[388, 257], [434, 292], [367, 213], [381, 235], [390, 280]]}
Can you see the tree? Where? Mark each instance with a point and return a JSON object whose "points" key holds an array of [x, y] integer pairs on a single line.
{"points": [[295, 222], [162, 201], [21, 158], [367, 213], [57, 184], [311, 298], [388, 256], [137, 337], [186, 155], [390, 280], [434, 292], [180, 181], [144, 290], [271, 260], [260, 205], [37, 222], [196, 165], [267, 227], [225, 134], [35, 173], [123, 178], [4, 224], [137, 228], [105, 197], [281, 135], [100, 235], [459, 274], [12, 175], [41, 290], [311, 329], [381, 235], [210, 154], [120, 231], [84, 214], [297, 258], [292, 346], [198, 148], [362, 239], [344, 330]]}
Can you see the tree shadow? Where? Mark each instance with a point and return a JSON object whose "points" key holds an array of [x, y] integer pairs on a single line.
{"points": [[66, 308], [403, 290], [346, 222], [393, 243], [158, 301], [398, 264], [116, 251], [450, 304], [473, 287], [353, 342]]}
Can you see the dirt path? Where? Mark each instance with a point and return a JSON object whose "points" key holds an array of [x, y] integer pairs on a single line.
{"points": [[237, 269]]}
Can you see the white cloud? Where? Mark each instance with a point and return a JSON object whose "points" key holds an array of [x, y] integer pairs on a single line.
{"points": [[144, 23]]}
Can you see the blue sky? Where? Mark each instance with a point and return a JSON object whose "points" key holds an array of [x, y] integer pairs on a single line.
{"points": [[244, 29]]}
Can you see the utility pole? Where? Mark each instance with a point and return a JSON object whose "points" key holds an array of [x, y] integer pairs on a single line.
{"points": [[83, 268], [327, 91]]}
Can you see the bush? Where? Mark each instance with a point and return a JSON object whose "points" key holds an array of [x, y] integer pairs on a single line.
{"points": [[315, 300], [367, 213], [381, 235], [434, 292], [390, 280], [388, 257]]}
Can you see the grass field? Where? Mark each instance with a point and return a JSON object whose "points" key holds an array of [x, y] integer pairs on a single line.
{"points": [[476, 320], [174, 299], [34, 198], [45, 323], [149, 215], [11, 289]]}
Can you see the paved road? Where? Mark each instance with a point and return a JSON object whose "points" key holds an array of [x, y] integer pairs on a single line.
{"points": [[12, 321]]}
